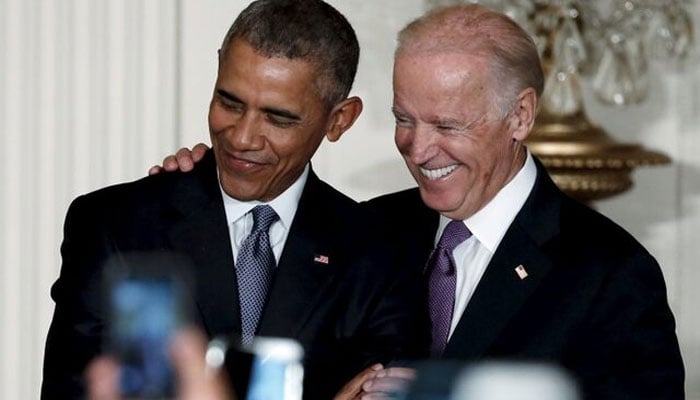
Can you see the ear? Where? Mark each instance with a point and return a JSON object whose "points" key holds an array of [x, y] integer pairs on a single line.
{"points": [[343, 115], [522, 116]]}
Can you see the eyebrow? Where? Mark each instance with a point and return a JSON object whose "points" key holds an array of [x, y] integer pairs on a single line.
{"points": [[397, 112], [269, 110], [448, 122]]}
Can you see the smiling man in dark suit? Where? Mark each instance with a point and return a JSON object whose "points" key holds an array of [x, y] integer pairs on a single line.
{"points": [[516, 269], [285, 70], [535, 276]]}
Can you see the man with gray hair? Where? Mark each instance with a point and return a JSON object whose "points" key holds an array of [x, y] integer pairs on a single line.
{"points": [[519, 271]]}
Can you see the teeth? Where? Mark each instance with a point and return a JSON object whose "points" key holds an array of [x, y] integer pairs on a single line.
{"points": [[437, 173]]}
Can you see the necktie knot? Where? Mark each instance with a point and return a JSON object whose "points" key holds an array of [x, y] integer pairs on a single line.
{"points": [[263, 217], [455, 233]]}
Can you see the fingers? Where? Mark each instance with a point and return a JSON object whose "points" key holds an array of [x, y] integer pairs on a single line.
{"points": [[388, 381], [183, 160], [102, 377], [353, 389], [195, 381], [177, 162], [156, 169], [198, 151], [398, 372]]}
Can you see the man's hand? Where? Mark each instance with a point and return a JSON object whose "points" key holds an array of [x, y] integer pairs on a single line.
{"points": [[376, 383], [353, 389], [387, 383], [183, 160]]}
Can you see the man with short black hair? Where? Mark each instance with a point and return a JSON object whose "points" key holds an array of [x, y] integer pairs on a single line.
{"points": [[285, 70]]}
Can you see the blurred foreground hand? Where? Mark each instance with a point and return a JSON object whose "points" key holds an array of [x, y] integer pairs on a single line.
{"points": [[195, 380]]}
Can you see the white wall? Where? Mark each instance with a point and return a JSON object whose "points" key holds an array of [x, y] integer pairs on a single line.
{"points": [[92, 92], [87, 98]]}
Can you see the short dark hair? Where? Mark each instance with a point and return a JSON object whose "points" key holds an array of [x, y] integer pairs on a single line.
{"points": [[302, 29]]}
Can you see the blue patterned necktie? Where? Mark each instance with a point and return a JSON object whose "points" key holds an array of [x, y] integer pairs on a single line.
{"points": [[442, 282], [254, 268]]}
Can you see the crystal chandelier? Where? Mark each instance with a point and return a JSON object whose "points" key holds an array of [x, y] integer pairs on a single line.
{"points": [[610, 43]]}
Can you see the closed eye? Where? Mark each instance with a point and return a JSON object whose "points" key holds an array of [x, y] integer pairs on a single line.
{"points": [[229, 101], [282, 118], [401, 119]]}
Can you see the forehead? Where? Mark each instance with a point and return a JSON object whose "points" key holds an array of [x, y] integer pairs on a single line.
{"points": [[442, 81], [243, 66]]}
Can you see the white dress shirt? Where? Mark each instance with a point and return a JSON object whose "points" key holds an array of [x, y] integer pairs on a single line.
{"points": [[488, 226], [240, 220]]}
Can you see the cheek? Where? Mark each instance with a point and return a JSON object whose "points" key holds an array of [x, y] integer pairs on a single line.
{"points": [[290, 149], [216, 121], [402, 139]]}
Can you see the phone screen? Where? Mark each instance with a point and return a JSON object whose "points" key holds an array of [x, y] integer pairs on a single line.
{"points": [[146, 312], [274, 378], [270, 368]]}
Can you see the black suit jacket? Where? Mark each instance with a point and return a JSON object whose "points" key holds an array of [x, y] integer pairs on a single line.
{"points": [[359, 308], [594, 300]]}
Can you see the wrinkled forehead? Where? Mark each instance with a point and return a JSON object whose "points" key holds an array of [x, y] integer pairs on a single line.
{"points": [[450, 68]]}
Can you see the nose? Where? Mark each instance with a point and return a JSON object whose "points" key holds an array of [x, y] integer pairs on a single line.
{"points": [[245, 134], [418, 144]]}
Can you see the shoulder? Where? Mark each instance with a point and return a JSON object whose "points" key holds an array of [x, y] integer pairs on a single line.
{"points": [[146, 195], [550, 215], [397, 206], [341, 220], [595, 230], [602, 251], [408, 198], [580, 240]]}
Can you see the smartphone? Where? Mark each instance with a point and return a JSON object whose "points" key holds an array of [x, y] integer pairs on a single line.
{"points": [[268, 369], [147, 306]]}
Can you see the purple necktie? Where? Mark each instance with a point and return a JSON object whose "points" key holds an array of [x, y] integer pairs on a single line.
{"points": [[441, 292]]}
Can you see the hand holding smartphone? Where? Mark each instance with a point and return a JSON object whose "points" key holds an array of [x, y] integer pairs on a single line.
{"points": [[147, 303]]}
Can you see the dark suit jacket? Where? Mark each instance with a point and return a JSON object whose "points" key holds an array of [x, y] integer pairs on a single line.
{"points": [[594, 301], [359, 308]]}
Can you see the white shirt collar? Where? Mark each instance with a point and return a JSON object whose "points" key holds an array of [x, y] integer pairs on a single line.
{"points": [[490, 224], [285, 205]]}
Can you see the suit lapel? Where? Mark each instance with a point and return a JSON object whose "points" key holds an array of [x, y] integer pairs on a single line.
{"points": [[411, 222], [300, 279], [501, 291], [499, 295], [202, 233]]}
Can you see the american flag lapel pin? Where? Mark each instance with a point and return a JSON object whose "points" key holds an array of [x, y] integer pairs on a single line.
{"points": [[321, 259], [520, 270]]}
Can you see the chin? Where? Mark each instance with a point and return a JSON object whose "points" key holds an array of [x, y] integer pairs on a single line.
{"points": [[443, 202], [433, 200]]}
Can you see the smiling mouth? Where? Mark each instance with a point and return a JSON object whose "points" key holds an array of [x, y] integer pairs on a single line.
{"points": [[438, 173], [238, 161]]}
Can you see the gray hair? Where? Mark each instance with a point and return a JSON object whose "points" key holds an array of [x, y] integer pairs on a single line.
{"points": [[478, 30]]}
